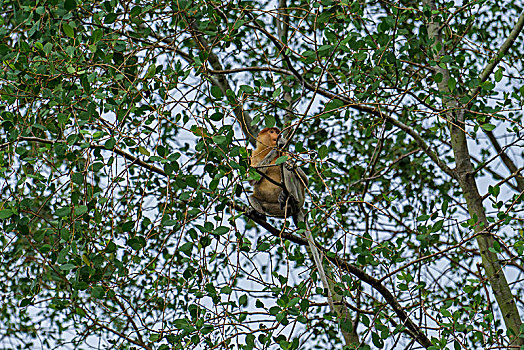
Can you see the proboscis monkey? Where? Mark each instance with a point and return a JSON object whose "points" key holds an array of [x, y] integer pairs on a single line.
{"points": [[280, 192], [272, 196]]}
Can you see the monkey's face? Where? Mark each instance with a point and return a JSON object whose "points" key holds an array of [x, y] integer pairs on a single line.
{"points": [[273, 135], [269, 136]]}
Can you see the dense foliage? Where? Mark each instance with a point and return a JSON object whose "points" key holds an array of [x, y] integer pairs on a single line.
{"points": [[125, 129]]}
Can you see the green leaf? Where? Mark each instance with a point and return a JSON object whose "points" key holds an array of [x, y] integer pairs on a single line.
{"points": [[274, 310], [243, 300], [111, 247], [137, 243], [423, 217], [219, 139], [488, 127], [438, 226], [181, 323], [346, 325], [186, 248], [473, 83], [97, 35], [487, 85], [263, 246], [250, 342], [444, 207], [67, 267], [135, 11], [445, 312], [65, 211], [80, 312], [231, 97], [77, 178], [494, 190], [5, 213], [281, 160], [81, 210], [452, 83], [377, 341], [323, 151], [25, 302], [110, 18], [69, 5], [151, 71], [221, 230], [68, 30], [39, 46], [226, 290], [48, 47], [277, 93], [499, 74], [110, 143], [216, 92], [143, 151], [335, 104], [98, 292], [169, 222], [216, 116], [238, 23], [246, 88], [128, 226]]}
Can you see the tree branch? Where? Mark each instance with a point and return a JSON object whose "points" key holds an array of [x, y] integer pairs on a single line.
{"points": [[335, 259], [354, 270], [467, 181], [351, 104], [508, 162], [133, 159], [244, 119]]}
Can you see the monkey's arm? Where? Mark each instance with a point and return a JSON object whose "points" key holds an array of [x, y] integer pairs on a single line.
{"points": [[268, 159], [303, 177], [291, 165], [301, 174], [295, 181]]}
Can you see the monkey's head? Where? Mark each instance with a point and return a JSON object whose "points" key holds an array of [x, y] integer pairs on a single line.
{"points": [[268, 137]]}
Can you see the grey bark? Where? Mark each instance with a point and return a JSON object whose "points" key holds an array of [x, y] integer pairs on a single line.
{"points": [[465, 176]]}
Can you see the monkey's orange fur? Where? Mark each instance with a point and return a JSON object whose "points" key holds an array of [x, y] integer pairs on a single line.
{"points": [[264, 190]]}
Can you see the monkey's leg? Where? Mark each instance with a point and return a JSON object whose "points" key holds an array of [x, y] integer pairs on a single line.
{"points": [[268, 208], [289, 201], [256, 209]]}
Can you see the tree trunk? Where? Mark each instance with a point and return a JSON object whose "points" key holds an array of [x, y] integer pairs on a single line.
{"points": [[465, 174]]}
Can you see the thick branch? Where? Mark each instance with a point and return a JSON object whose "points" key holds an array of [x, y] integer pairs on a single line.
{"points": [[338, 261], [466, 179], [251, 69], [354, 270], [500, 54]]}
